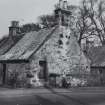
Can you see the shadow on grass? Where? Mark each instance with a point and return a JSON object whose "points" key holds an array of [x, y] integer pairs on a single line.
{"points": [[94, 99], [78, 102], [44, 101]]}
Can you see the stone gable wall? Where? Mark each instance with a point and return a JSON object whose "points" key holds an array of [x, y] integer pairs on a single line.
{"points": [[62, 53]]}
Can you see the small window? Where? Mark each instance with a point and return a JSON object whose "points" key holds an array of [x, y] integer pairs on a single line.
{"points": [[69, 37], [66, 36], [60, 42], [100, 71], [58, 52], [61, 35]]}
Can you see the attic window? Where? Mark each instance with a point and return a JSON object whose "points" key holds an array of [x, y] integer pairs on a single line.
{"points": [[60, 42], [61, 35]]}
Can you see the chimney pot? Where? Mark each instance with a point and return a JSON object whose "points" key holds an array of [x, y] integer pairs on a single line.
{"points": [[15, 23], [65, 4], [14, 28]]}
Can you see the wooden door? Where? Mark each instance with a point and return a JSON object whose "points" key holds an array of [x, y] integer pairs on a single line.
{"points": [[43, 70]]}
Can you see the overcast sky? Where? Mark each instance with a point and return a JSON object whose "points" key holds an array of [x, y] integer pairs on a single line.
{"points": [[25, 11]]}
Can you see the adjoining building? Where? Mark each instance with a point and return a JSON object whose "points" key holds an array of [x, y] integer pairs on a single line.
{"points": [[7, 42], [97, 57], [51, 51]]}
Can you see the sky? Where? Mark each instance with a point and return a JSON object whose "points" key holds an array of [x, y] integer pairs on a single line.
{"points": [[24, 11]]}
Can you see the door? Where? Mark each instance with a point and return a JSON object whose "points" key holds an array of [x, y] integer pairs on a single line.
{"points": [[43, 74], [2, 74], [101, 76]]}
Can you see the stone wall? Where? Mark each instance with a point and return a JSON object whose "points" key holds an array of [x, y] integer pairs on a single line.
{"points": [[17, 74], [62, 53]]}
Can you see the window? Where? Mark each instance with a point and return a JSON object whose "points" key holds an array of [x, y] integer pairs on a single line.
{"points": [[69, 37], [43, 70], [60, 42], [61, 35], [100, 71]]}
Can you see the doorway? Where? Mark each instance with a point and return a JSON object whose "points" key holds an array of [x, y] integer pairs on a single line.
{"points": [[3, 74], [43, 74], [101, 76]]}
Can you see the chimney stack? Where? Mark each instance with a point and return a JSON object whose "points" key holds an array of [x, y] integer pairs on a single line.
{"points": [[14, 28], [64, 4], [60, 3], [62, 14]]}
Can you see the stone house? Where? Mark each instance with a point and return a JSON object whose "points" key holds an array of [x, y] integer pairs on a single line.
{"points": [[50, 51]]}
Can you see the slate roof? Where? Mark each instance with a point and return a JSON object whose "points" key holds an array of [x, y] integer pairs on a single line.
{"points": [[6, 43], [97, 56], [27, 45]]}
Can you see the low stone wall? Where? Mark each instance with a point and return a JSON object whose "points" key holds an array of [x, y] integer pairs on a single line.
{"points": [[76, 80]]}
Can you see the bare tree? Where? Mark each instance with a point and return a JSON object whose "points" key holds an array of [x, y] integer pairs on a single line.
{"points": [[84, 25], [95, 14], [30, 27], [47, 20], [89, 20]]}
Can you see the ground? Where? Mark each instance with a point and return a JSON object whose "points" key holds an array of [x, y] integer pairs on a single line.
{"points": [[42, 96]]}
